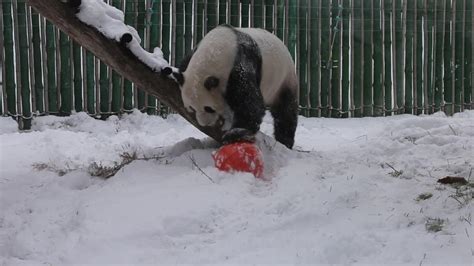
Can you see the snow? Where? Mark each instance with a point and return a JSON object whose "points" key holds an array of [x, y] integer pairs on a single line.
{"points": [[109, 21], [335, 200]]}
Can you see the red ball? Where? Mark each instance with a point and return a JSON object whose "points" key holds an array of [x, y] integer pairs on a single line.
{"points": [[240, 156]]}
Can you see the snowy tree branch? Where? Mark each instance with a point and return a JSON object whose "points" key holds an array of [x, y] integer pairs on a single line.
{"points": [[118, 58]]}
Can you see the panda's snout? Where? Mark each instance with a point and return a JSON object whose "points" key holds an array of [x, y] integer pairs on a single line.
{"points": [[206, 119]]}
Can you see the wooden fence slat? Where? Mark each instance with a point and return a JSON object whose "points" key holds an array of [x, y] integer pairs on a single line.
{"points": [[222, 12], [200, 18], [77, 81], [367, 58], [439, 54], [9, 78], [127, 85], [212, 16], [3, 95], [38, 63], [89, 77], [258, 18], [409, 54], [155, 24], [335, 59], [448, 71], [314, 55], [269, 6], [302, 59], [418, 65], [378, 57], [388, 14], [325, 56], [429, 7], [24, 79], [459, 56], [357, 44], [469, 46], [345, 85], [399, 31], [140, 25], [245, 15], [280, 30], [117, 80], [29, 32], [234, 13]]}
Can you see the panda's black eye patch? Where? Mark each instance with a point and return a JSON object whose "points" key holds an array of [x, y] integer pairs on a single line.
{"points": [[211, 82], [209, 109]]}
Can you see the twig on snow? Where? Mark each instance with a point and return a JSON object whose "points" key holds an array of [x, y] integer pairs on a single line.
{"points": [[199, 168]]}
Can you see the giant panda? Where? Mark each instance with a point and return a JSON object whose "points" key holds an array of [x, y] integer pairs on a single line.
{"points": [[232, 75]]}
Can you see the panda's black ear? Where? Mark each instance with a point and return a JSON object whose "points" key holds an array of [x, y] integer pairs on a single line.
{"points": [[211, 82]]}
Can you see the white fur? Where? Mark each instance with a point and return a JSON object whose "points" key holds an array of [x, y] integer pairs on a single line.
{"points": [[215, 57], [277, 65]]}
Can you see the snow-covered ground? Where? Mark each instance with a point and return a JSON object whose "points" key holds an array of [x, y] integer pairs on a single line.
{"points": [[336, 200]]}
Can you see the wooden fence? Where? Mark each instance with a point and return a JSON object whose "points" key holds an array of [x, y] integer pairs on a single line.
{"points": [[354, 57]]}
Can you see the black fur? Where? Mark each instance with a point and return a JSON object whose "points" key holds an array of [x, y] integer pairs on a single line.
{"points": [[126, 38], [285, 117], [75, 4], [243, 93]]}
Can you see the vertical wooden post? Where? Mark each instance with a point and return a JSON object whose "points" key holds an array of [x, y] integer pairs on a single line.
{"points": [[388, 14], [335, 59], [325, 56], [245, 13], [38, 63], [439, 54], [367, 58], [468, 46], [200, 19], [234, 12], [3, 95], [418, 74], [258, 18], [222, 12], [345, 85], [212, 16], [357, 60], [269, 15], [459, 55], [314, 57], [448, 63], [409, 48], [127, 85], [280, 30], [140, 25], [399, 51], [302, 58], [155, 29], [25, 120], [117, 80], [428, 22], [188, 30], [9, 78], [378, 57], [77, 80]]}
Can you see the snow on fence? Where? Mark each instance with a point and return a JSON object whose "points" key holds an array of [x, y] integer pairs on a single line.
{"points": [[354, 57]]}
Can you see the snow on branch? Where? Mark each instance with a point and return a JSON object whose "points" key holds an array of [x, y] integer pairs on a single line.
{"points": [[109, 21], [107, 44]]}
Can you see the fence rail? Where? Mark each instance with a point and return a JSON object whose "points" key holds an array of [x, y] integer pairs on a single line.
{"points": [[354, 57]]}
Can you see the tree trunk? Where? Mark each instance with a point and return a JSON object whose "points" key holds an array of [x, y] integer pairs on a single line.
{"points": [[119, 58]]}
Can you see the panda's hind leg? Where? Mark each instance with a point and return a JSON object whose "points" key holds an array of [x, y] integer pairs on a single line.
{"points": [[285, 117]]}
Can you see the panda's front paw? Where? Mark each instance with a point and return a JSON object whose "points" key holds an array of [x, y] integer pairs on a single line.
{"points": [[238, 134]]}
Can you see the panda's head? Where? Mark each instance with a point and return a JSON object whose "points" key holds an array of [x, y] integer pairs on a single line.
{"points": [[203, 94]]}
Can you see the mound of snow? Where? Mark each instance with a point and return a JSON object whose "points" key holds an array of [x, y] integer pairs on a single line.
{"points": [[348, 194]]}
